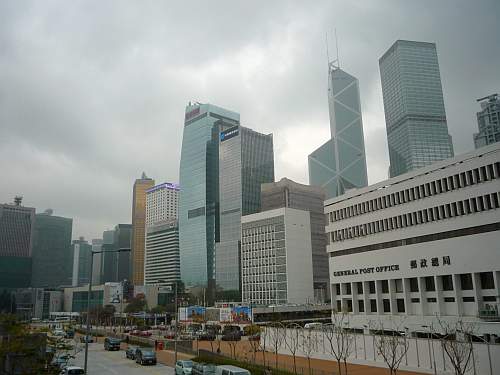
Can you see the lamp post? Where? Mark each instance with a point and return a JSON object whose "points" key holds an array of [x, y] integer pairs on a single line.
{"points": [[92, 253]]}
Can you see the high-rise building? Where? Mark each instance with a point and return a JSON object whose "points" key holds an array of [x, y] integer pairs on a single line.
{"points": [[162, 202], [122, 241], [417, 132], [16, 238], [340, 163], [97, 262], [109, 259], [82, 252], [162, 264], [198, 199], [488, 121], [139, 227], [276, 257], [287, 193], [52, 260], [246, 160]]}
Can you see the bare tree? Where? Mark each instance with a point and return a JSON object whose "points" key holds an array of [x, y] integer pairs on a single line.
{"points": [[264, 337], [457, 344], [334, 334], [309, 344], [292, 342], [277, 333], [232, 347], [392, 347]]}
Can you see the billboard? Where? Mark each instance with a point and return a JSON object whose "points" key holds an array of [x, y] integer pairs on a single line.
{"points": [[212, 315], [182, 314], [225, 314], [196, 313], [115, 292], [241, 314]]}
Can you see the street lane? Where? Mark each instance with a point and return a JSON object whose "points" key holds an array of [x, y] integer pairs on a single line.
{"points": [[114, 362]]}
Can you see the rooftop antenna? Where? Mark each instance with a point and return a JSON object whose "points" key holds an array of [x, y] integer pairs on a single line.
{"points": [[337, 47], [18, 200], [327, 52]]}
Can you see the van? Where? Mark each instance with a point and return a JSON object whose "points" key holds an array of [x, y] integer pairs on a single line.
{"points": [[313, 325], [231, 370]]}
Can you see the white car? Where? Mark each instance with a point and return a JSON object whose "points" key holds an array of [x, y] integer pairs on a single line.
{"points": [[73, 370], [183, 367], [59, 333]]}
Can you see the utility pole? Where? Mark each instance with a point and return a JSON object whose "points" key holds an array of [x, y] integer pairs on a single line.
{"points": [[176, 323]]}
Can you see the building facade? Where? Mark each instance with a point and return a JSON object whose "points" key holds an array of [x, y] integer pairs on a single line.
{"points": [[82, 253], [52, 263], [16, 241], [417, 131], [108, 259], [246, 160], [287, 193], [340, 163], [422, 244], [141, 185], [162, 203], [276, 257], [488, 121], [38, 302], [198, 199], [97, 262]]}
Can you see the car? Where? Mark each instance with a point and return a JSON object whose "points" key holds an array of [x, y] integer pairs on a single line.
{"points": [[61, 361], [135, 332], [70, 333], [145, 356], [87, 338], [112, 343], [315, 325], [203, 369], [169, 335], [231, 370], [205, 336], [231, 336], [184, 367], [59, 333], [130, 352], [73, 370], [145, 333]]}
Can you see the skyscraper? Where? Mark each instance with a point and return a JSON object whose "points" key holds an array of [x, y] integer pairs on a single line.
{"points": [[246, 161], [139, 227], [115, 266], [82, 252], [417, 132], [16, 238], [198, 199], [97, 274], [488, 121], [340, 163], [109, 259], [287, 193], [52, 263], [162, 264]]}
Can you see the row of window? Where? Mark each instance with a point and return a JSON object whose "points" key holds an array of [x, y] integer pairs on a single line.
{"points": [[457, 181], [445, 211], [486, 280]]}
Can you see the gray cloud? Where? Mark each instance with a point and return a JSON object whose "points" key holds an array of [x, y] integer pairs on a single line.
{"points": [[92, 93]]}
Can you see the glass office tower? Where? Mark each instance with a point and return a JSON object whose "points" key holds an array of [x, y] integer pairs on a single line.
{"points": [[198, 199], [417, 132], [246, 160], [488, 121], [340, 163]]}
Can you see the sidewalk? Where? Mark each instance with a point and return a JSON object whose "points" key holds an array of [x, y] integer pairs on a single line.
{"points": [[318, 366]]}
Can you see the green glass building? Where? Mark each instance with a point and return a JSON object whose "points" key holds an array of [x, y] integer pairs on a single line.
{"points": [[198, 199], [417, 131], [340, 163], [52, 253]]}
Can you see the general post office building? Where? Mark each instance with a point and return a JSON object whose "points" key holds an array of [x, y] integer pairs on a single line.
{"points": [[423, 245]]}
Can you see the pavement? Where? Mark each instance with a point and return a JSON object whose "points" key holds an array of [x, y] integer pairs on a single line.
{"points": [[114, 362]]}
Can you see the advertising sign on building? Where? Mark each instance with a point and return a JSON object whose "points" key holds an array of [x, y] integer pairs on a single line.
{"points": [[225, 314], [196, 313], [241, 314], [212, 314], [183, 314], [115, 292]]}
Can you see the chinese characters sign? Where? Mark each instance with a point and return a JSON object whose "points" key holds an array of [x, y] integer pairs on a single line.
{"points": [[433, 262]]}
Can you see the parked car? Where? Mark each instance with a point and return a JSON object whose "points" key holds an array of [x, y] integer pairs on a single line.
{"points": [[183, 367], [315, 325], [70, 333], [145, 333], [135, 332], [61, 361], [59, 333], [73, 370], [205, 335], [203, 369], [130, 352], [231, 336], [88, 339], [145, 356], [112, 343], [231, 370]]}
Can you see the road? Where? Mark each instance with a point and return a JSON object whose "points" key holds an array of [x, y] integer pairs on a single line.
{"points": [[114, 362]]}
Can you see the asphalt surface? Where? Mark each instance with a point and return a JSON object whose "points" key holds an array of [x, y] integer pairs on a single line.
{"points": [[114, 362]]}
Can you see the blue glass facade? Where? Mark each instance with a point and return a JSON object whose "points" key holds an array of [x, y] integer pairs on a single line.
{"points": [[417, 131], [198, 199], [340, 163]]}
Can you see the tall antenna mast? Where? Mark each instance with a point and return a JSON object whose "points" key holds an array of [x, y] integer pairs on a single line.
{"points": [[337, 47], [327, 52]]}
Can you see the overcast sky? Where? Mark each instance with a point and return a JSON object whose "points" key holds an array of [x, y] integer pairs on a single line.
{"points": [[92, 93]]}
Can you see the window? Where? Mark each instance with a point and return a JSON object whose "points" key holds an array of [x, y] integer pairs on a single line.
{"points": [[431, 300], [415, 300], [400, 303], [399, 285], [373, 305], [468, 299], [371, 287], [360, 288], [449, 299], [447, 281], [413, 284], [489, 298], [361, 305], [385, 286], [387, 305], [487, 281], [337, 289], [347, 287], [339, 305], [466, 281], [429, 284]]}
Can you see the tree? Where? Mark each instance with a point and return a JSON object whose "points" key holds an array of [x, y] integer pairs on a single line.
{"points": [[136, 304], [292, 341], [309, 344], [340, 338], [264, 335], [457, 344], [158, 310], [277, 334], [393, 347]]}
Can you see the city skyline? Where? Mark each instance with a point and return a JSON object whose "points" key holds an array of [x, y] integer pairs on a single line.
{"points": [[274, 77]]}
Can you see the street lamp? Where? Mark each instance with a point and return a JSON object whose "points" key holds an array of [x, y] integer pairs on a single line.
{"points": [[92, 253]]}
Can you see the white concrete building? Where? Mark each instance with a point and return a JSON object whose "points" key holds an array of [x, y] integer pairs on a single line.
{"points": [[422, 245], [162, 202], [276, 257], [161, 260]]}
